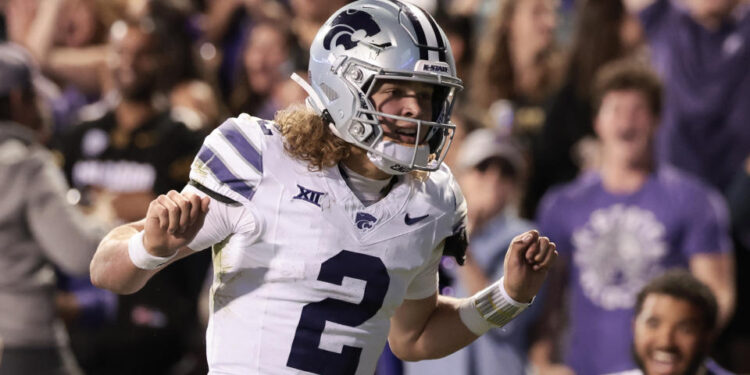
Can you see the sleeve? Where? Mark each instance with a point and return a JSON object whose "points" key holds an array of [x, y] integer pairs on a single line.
{"points": [[707, 227], [67, 239], [425, 283], [222, 220], [230, 162]]}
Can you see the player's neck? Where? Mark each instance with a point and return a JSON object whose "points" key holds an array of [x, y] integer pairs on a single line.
{"points": [[361, 164]]}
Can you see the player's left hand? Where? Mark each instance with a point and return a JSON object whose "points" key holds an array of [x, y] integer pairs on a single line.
{"points": [[529, 257]]}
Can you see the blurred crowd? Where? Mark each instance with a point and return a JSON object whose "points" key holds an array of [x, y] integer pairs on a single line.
{"points": [[619, 128]]}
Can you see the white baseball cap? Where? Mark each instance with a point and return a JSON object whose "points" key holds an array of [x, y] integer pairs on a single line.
{"points": [[482, 144]]}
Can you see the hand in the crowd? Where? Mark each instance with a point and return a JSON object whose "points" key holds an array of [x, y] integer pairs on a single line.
{"points": [[172, 221], [528, 259]]}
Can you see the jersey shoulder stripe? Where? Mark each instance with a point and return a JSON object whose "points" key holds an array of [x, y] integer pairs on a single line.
{"points": [[242, 145], [230, 162], [222, 174]]}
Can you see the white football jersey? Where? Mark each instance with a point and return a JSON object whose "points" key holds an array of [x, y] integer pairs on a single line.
{"points": [[306, 278]]}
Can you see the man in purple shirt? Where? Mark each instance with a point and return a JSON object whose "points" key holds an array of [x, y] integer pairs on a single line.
{"points": [[623, 224], [701, 49]]}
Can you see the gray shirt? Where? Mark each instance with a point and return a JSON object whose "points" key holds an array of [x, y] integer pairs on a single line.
{"points": [[38, 230]]}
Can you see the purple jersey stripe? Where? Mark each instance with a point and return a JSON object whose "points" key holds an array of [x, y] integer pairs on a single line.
{"points": [[242, 145], [224, 174]]}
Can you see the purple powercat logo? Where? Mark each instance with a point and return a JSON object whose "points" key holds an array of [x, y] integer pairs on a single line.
{"points": [[346, 24], [365, 220]]}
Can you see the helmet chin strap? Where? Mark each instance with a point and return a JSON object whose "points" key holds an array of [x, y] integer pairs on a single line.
{"points": [[396, 151]]}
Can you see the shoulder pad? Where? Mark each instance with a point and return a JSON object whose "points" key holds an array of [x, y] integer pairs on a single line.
{"points": [[230, 162]]}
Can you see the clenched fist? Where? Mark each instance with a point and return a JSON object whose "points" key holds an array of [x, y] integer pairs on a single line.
{"points": [[172, 220], [528, 259]]}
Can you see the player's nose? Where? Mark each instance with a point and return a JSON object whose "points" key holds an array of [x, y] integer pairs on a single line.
{"points": [[410, 106]]}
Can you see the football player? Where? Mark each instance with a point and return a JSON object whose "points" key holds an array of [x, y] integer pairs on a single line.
{"points": [[328, 224]]}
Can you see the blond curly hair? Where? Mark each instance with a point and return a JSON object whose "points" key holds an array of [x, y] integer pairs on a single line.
{"points": [[308, 138]]}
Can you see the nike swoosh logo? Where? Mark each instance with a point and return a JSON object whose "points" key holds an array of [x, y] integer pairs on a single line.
{"points": [[413, 220]]}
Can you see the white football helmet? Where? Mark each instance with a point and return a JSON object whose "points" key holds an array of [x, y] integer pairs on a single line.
{"points": [[371, 40]]}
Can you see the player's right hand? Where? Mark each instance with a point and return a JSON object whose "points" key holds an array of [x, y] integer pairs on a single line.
{"points": [[172, 221]]}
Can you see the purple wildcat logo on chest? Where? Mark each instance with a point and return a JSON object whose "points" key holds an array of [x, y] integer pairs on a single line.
{"points": [[365, 220]]}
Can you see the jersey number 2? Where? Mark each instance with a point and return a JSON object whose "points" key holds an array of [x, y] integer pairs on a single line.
{"points": [[306, 354]]}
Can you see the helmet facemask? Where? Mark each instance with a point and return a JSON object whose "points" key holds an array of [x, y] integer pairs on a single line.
{"points": [[365, 130]]}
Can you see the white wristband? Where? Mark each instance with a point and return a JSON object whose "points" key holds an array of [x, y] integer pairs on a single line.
{"points": [[142, 258], [491, 307]]}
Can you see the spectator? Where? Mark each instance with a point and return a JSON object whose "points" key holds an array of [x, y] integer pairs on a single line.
{"points": [[626, 223], [226, 28], [120, 160], [195, 104], [490, 171], [66, 37], [674, 326], [702, 52], [133, 150], [266, 62], [569, 117], [516, 67], [39, 230]]}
